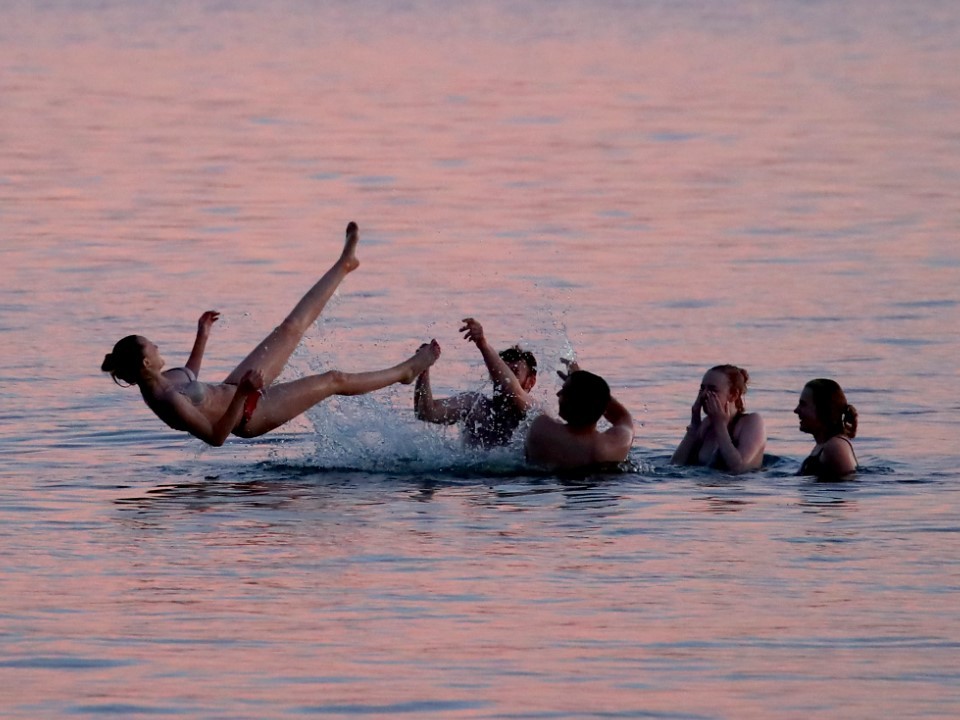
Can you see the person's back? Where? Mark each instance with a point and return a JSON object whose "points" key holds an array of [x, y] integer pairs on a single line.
{"points": [[575, 443]]}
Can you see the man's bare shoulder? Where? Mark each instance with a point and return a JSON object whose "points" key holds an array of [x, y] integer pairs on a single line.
{"points": [[544, 425], [541, 437]]}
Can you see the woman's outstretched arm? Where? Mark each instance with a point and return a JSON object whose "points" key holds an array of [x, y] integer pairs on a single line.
{"points": [[204, 324]]}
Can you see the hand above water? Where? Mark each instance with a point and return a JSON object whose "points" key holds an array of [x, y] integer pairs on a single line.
{"points": [[473, 331], [572, 367], [206, 321], [719, 413], [252, 381]]}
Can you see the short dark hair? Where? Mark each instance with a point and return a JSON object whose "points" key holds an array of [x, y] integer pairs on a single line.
{"points": [[585, 398], [516, 354]]}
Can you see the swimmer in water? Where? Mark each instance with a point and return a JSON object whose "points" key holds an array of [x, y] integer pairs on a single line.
{"points": [[728, 438], [825, 413], [574, 441], [485, 421], [248, 403]]}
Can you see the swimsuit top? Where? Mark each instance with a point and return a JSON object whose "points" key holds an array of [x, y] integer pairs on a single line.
{"points": [[812, 465], [193, 390]]}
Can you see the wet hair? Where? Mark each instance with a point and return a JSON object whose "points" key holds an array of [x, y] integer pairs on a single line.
{"points": [[516, 354], [833, 411], [738, 378], [125, 361], [585, 398]]}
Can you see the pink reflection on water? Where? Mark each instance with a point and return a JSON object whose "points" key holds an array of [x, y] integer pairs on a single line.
{"points": [[664, 204]]}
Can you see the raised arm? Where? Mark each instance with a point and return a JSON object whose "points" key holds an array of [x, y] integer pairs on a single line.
{"points": [[500, 373], [445, 411], [204, 324], [687, 450], [617, 439]]}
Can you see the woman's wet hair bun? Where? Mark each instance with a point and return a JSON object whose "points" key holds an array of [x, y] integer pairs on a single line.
{"points": [[125, 360], [849, 418]]}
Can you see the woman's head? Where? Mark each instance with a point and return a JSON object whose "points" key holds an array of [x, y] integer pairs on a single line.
{"points": [[126, 360], [824, 411], [729, 382]]}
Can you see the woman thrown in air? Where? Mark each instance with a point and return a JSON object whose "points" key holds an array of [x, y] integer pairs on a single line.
{"points": [[825, 413], [721, 434], [248, 403]]}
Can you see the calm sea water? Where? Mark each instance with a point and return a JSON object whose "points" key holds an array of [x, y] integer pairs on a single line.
{"points": [[656, 186]]}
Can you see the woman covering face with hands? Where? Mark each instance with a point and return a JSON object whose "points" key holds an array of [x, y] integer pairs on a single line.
{"points": [[721, 434]]}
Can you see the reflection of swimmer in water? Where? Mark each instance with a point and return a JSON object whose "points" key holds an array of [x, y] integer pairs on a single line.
{"points": [[825, 413], [248, 403], [576, 443], [484, 421], [728, 438]]}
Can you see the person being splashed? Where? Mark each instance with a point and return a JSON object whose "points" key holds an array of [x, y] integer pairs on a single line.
{"points": [[485, 422], [249, 403]]}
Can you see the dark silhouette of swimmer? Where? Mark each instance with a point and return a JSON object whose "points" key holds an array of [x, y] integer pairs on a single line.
{"points": [[484, 421], [575, 441], [824, 412]]}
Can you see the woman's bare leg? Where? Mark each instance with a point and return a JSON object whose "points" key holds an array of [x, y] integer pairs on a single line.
{"points": [[284, 401], [271, 355]]}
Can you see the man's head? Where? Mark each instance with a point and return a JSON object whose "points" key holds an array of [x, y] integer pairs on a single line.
{"points": [[523, 365], [583, 399]]}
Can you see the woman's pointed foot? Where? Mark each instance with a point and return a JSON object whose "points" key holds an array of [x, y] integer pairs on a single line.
{"points": [[349, 256], [423, 358]]}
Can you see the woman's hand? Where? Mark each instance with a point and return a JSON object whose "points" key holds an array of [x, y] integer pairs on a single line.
{"points": [[251, 382], [719, 413], [204, 324], [206, 321]]}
